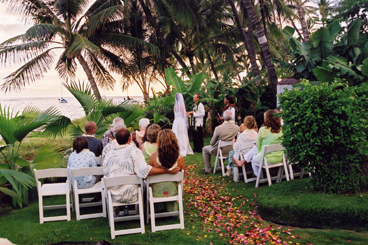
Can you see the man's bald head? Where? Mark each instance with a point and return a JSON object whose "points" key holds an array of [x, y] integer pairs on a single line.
{"points": [[90, 127], [123, 136]]}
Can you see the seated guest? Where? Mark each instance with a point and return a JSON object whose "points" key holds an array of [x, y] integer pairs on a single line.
{"points": [[167, 157], [249, 133], [113, 144], [107, 136], [224, 132], [269, 134], [81, 157], [143, 123], [94, 145], [127, 160], [150, 146]]}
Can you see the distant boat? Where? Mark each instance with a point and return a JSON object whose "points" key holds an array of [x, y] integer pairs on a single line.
{"points": [[62, 100]]}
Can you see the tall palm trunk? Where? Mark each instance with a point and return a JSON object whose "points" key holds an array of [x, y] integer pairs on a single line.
{"points": [[301, 16], [90, 77], [264, 46], [261, 6], [211, 64], [248, 43], [157, 29]]}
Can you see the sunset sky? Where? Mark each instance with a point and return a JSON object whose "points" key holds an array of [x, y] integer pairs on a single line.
{"points": [[49, 86]]}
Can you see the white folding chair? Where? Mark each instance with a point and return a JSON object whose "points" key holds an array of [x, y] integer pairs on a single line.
{"points": [[263, 164], [53, 189], [247, 145], [152, 200], [296, 174], [220, 157], [97, 188], [124, 180], [99, 160]]}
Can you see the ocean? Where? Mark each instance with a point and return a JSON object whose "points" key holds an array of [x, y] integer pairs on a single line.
{"points": [[72, 109]]}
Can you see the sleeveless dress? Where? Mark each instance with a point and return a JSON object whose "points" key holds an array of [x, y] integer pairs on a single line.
{"points": [[148, 150], [181, 131], [166, 189]]}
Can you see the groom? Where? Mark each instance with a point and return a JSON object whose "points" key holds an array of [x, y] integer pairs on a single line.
{"points": [[196, 123]]}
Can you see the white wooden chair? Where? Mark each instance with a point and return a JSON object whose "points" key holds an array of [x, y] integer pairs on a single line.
{"points": [[124, 180], [99, 160], [53, 189], [179, 177], [97, 188], [296, 174], [247, 145], [263, 164], [220, 157]]}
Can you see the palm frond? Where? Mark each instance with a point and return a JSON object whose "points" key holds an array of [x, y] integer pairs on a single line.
{"points": [[126, 41], [19, 53], [102, 17], [103, 76], [75, 130], [49, 116], [29, 72], [19, 38], [9, 123], [113, 62], [70, 8], [43, 32], [57, 126], [66, 67], [47, 157], [11, 193], [82, 92], [80, 43], [16, 176], [31, 10]]}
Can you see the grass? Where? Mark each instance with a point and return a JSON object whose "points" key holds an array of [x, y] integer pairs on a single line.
{"points": [[217, 211]]}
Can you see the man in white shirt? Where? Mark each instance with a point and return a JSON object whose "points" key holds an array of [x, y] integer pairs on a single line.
{"points": [[196, 122]]}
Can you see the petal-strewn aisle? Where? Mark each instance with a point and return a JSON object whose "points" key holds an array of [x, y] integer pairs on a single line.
{"points": [[234, 219]]}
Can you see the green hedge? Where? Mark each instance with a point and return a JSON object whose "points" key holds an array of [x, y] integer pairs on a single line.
{"points": [[325, 130], [295, 203]]}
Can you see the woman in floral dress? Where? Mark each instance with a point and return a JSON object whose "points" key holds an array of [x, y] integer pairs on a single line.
{"points": [[167, 157]]}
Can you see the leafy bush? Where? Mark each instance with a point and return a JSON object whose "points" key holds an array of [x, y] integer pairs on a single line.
{"points": [[325, 130]]}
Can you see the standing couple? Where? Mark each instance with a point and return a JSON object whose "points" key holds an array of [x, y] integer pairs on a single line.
{"points": [[180, 125]]}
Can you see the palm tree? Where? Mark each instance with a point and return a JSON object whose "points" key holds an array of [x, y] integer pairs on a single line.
{"points": [[247, 41], [264, 45], [153, 23], [80, 32]]}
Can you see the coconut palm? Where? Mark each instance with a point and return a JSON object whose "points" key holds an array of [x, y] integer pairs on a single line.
{"points": [[16, 171], [84, 34], [263, 42]]}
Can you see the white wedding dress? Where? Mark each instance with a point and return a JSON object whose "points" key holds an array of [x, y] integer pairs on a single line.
{"points": [[180, 126]]}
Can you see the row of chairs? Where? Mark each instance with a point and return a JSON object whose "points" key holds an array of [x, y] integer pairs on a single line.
{"points": [[55, 189], [284, 168]]}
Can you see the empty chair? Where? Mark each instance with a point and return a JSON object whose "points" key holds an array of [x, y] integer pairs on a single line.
{"points": [[53, 189], [152, 200], [118, 181], [220, 157], [264, 165], [97, 188]]}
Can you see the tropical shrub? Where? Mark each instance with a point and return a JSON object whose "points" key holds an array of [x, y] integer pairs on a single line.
{"points": [[325, 130], [15, 171], [333, 52]]}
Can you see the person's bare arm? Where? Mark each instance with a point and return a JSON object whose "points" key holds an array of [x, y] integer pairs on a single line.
{"points": [[156, 171]]}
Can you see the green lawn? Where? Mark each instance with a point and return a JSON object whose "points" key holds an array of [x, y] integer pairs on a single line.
{"points": [[217, 211]]}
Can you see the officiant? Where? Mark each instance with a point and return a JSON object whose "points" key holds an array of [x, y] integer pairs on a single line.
{"points": [[196, 123]]}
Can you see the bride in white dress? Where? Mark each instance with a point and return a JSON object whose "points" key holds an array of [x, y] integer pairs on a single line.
{"points": [[180, 125]]}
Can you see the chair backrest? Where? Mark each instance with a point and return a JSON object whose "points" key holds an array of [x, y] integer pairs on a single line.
{"points": [[122, 180], [223, 143], [98, 160], [51, 172], [272, 148], [86, 171], [166, 177]]}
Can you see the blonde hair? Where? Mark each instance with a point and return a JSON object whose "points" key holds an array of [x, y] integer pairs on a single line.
{"points": [[250, 123]]}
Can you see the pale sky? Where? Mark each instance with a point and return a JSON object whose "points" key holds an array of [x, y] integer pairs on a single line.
{"points": [[49, 86]]}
